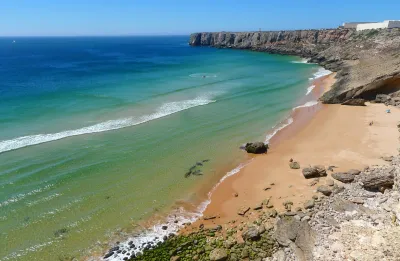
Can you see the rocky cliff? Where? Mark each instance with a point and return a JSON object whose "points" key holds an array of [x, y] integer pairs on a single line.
{"points": [[367, 62]]}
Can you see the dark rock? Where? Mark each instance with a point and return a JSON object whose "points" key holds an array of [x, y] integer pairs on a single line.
{"points": [[378, 179], [314, 172], [256, 147], [164, 227], [343, 177], [354, 102], [324, 190], [109, 254]]}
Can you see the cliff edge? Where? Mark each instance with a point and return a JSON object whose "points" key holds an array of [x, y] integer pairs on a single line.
{"points": [[367, 62]]}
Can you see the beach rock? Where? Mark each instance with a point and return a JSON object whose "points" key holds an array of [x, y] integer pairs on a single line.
{"points": [[330, 183], [314, 172], [218, 254], [294, 165], [324, 190], [209, 217], [309, 204], [378, 178], [354, 172], [272, 213], [242, 210], [382, 98], [256, 147], [343, 177], [354, 102], [252, 233], [258, 206], [175, 258]]}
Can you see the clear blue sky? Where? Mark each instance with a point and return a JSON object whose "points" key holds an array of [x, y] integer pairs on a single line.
{"points": [[150, 17]]}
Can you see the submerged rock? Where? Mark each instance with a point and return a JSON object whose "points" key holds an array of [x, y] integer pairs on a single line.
{"points": [[256, 147]]}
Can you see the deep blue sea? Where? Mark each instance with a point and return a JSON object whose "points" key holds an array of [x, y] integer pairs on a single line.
{"points": [[96, 134]]}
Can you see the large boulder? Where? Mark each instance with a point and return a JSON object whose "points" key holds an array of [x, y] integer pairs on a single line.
{"points": [[256, 147], [378, 179], [343, 177], [354, 102], [314, 172], [219, 254]]}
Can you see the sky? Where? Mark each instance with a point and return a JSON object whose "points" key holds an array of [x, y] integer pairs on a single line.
{"points": [[182, 17]]}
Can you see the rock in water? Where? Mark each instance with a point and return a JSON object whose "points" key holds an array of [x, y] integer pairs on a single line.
{"points": [[343, 177], [294, 165], [256, 147], [218, 254], [354, 102]]}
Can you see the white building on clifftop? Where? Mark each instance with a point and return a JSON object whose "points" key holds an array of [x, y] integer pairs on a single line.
{"points": [[388, 24]]}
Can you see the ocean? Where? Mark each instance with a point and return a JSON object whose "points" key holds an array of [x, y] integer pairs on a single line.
{"points": [[97, 133]]}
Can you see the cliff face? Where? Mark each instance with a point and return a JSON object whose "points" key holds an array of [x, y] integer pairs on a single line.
{"points": [[367, 62], [305, 43]]}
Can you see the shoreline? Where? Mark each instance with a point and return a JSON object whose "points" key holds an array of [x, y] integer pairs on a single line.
{"points": [[251, 180], [179, 220]]}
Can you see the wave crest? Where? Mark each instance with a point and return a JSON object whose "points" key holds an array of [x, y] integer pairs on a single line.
{"points": [[165, 110]]}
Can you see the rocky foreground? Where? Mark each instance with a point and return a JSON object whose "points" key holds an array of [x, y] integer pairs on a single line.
{"points": [[355, 215], [367, 62]]}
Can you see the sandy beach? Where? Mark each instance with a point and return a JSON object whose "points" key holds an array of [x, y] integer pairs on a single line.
{"points": [[329, 135]]}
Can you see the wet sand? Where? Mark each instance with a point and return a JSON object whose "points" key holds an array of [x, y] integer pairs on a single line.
{"points": [[329, 135]]}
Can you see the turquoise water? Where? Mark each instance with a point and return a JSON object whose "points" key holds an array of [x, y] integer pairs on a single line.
{"points": [[96, 134]]}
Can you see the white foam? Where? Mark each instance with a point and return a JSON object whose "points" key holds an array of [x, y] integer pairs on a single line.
{"points": [[165, 110], [302, 61], [320, 73], [276, 130], [156, 233], [24, 195], [307, 104], [309, 89]]}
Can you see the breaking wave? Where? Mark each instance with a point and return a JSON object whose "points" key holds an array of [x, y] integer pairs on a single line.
{"points": [[309, 89], [165, 110], [277, 129], [320, 73]]}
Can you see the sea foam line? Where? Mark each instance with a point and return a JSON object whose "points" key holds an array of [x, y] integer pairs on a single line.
{"points": [[276, 130], [307, 104], [165, 110], [176, 220], [309, 89], [320, 73]]}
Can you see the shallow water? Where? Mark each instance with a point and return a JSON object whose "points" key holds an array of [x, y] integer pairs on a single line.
{"points": [[96, 134]]}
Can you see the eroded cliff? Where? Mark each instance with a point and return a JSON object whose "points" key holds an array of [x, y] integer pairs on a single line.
{"points": [[367, 62]]}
